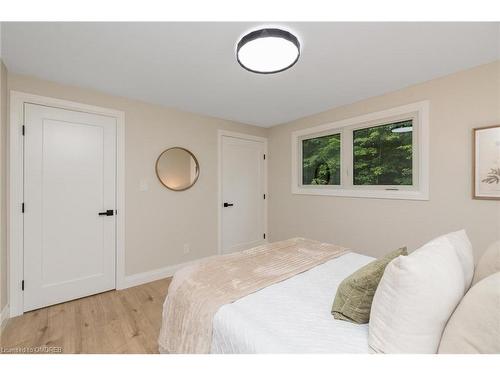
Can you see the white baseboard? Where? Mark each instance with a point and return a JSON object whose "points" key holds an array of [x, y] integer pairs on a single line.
{"points": [[149, 276], [4, 315]]}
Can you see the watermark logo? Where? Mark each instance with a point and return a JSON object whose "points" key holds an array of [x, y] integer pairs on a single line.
{"points": [[32, 350]]}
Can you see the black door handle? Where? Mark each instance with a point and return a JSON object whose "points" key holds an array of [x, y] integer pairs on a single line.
{"points": [[107, 213], [228, 204]]}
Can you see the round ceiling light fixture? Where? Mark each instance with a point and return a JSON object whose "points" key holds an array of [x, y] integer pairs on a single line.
{"points": [[268, 51]]}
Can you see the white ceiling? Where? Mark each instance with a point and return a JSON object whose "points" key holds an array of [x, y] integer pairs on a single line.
{"points": [[192, 66]]}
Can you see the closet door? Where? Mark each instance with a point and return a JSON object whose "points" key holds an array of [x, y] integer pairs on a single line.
{"points": [[243, 189], [70, 198]]}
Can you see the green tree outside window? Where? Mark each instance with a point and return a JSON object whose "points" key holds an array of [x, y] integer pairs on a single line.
{"points": [[382, 156], [321, 160]]}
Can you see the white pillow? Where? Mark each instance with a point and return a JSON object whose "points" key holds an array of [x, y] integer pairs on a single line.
{"points": [[463, 247], [415, 298]]}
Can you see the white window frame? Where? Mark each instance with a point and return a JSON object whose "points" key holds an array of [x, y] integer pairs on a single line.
{"points": [[418, 112]]}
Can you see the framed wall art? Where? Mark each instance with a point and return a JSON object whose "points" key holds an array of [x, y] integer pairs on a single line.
{"points": [[486, 152]]}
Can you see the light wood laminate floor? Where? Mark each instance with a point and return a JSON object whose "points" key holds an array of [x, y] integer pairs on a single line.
{"points": [[119, 321]]}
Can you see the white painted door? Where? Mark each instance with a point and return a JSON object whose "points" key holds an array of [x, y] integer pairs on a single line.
{"points": [[243, 189], [69, 178]]}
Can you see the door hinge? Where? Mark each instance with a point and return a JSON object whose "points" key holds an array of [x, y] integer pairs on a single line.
{"points": [[22, 207], [23, 129], [22, 285], [264, 156], [264, 235]]}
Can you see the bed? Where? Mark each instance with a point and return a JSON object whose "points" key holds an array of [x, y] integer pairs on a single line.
{"points": [[292, 316], [274, 298], [277, 298]]}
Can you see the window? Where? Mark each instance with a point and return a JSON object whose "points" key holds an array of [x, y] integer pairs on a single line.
{"points": [[321, 160], [380, 155], [383, 155]]}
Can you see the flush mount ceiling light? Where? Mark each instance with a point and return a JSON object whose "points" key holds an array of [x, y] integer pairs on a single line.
{"points": [[267, 51]]}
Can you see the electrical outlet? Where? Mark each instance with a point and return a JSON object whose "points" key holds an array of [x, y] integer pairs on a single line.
{"points": [[186, 248]]}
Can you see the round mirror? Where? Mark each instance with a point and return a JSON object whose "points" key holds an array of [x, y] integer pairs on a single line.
{"points": [[177, 168]]}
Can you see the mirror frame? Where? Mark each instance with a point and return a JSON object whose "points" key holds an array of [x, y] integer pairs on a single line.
{"points": [[195, 160]]}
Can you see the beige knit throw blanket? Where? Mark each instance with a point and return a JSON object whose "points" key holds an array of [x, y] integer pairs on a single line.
{"points": [[199, 290]]}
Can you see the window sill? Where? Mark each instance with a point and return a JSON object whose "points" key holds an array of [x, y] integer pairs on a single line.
{"points": [[355, 193]]}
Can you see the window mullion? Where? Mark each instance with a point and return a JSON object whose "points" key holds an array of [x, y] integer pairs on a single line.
{"points": [[346, 158]]}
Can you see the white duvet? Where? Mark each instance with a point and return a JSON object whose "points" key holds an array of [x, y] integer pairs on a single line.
{"points": [[293, 316]]}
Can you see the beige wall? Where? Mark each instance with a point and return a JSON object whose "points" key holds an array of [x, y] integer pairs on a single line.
{"points": [[458, 103], [3, 185], [158, 221]]}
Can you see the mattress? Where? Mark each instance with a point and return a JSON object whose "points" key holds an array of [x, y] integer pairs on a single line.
{"points": [[293, 316]]}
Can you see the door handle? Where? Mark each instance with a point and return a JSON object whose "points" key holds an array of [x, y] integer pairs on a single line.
{"points": [[228, 204], [107, 213]]}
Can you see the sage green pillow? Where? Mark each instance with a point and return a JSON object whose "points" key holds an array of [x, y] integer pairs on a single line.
{"points": [[354, 297]]}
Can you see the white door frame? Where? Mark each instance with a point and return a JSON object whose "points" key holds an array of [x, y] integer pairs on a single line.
{"points": [[222, 133], [15, 199]]}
